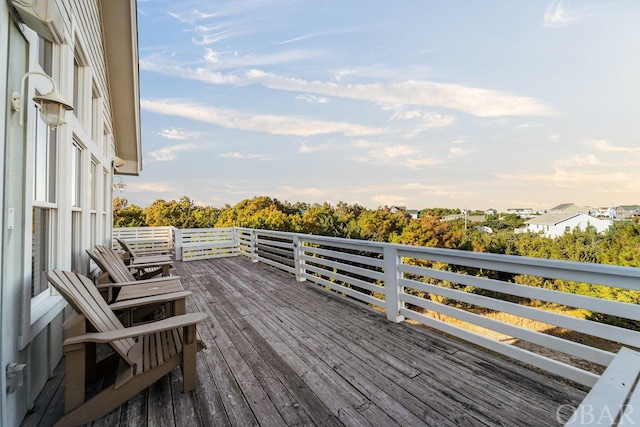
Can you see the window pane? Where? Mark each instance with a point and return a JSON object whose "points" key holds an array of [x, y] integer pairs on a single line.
{"points": [[45, 163], [92, 184], [76, 177], [75, 240], [76, 87], [45, 55], [40, 244]]}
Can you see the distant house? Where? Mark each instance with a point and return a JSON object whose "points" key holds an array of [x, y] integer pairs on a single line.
{"points": [[554, 225], [413, 213], [627, 211], [396, 209], [490, 211], [605, 212], [522, 212], [569, 208]]}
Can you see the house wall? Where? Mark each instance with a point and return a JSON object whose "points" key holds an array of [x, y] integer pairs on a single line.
{"points": [[556, 230], [31, 326]]}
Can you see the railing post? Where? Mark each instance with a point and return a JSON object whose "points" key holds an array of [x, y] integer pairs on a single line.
{"points": [[392, 288], [177, 243], [254, 251], [298, 262]]}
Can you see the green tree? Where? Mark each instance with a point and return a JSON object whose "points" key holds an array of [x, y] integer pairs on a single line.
{"points": [[622, 244], [178, 214], [125, 215], [429, 231]]}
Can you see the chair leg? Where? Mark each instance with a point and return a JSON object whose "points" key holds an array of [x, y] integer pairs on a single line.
{"points": [[75, 363], [189, 364]]}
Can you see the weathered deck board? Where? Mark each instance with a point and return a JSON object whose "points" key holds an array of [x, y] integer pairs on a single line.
{"points": [[287, 353]]}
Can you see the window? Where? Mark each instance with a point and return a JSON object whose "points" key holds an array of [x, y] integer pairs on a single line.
{"points": [[46, 159], [80, 92], [93, 177], [567, 228], [45, 54], [106, 186], [44, 206], [96, 113], [76, 212]]}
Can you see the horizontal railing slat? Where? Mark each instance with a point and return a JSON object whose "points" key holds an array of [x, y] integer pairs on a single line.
{"points": [[614, 308], [373, 262], [601, 330], [375, 275], [346, 279], [347, 291], [585, 352], [555, 367]]}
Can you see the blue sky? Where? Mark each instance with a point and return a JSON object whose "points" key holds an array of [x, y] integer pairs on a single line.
{"points": [[425, 103]]}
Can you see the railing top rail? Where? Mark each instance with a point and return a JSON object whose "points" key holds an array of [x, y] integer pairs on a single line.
{"points": [[605, 274]]}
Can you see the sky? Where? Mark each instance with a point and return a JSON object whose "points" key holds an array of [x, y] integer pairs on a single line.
{"points": [[416, 103]]}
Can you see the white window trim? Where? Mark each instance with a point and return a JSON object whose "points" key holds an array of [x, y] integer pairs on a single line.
{"points": [[38, 311]]}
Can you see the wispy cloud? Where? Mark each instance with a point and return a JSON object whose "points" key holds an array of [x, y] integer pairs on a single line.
{"points": [[604, 145], [475, 101], [152, 187], [319, 34], [405, 156], [231, 60], [557, 16], [312, 99], [390, 200], [237, 155], [168, 154], [479, 102], [276, 125], [306, 148], [178, 134], [586, 181], [577, 160], [425, 119]]}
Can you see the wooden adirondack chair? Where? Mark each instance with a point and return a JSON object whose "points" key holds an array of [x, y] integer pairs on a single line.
{"points": [[146, 353], [110, 262], [137, 256], [120, 285]]}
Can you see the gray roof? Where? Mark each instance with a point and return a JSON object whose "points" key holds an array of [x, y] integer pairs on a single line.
{"points": [[552, 219], [561, 207]]}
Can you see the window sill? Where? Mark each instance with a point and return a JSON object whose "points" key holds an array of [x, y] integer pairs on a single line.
{"points": [[44, 308]]}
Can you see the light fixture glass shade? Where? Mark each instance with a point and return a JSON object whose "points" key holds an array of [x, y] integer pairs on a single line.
{"points": [[52, 108]]}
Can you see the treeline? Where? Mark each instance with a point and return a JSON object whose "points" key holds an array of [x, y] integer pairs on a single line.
{"points": [[620, 245]]}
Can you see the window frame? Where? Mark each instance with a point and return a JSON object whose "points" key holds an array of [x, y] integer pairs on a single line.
{"points": [[39, 310]]}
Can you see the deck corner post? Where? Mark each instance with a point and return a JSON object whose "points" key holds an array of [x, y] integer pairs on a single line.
{"points": [[392, 287], [177, 243], [297, 258], [254, 252]]}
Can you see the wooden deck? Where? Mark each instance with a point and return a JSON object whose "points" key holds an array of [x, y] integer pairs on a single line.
{"points": [[287, 353]]}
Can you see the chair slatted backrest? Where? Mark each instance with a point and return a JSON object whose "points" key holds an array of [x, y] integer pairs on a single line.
{"points": [[126, 247], [113, 265], [84, 297]]}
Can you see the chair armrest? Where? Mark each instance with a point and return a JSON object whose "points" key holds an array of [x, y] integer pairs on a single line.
{"points": [[136, 331], [150, 264], [155, 299], [139, 282]]}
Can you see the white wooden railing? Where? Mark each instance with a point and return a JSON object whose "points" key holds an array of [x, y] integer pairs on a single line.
{"points": [[428, 285], [145, 238], [199, 243]]}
